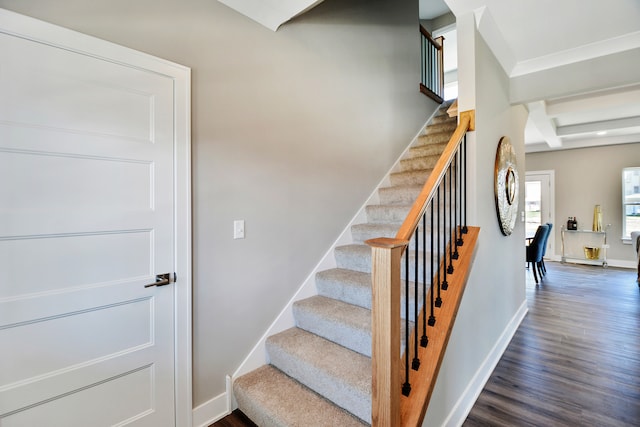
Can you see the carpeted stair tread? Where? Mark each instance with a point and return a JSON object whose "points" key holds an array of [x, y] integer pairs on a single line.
{"points": [[341, 375], [339, 322], [399, 194], [270, 398]]}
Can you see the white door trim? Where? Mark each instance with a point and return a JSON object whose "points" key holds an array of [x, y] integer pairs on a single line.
{"points": [[36, 30]]}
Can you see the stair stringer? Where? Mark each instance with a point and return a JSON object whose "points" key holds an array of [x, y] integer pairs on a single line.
{"points": [[258, 357]]}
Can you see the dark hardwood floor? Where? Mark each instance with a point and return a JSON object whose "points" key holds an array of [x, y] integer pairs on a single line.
{"points": [[234, 419], [574, 361]]}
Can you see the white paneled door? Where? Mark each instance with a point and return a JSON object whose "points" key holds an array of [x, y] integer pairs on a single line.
{"points": [[86, 222]]}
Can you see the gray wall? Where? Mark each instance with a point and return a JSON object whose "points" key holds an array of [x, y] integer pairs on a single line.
{"points": [[496, 287], [291, 132], [587, 177]]}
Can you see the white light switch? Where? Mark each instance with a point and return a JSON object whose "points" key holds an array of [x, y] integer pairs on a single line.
{"points": [[238, 229]]}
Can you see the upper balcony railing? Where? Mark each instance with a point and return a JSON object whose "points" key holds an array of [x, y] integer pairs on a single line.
{"points": [[432, 64]]}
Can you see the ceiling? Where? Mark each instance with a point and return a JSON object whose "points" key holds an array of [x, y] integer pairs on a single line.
{"points": [[575, 65]]}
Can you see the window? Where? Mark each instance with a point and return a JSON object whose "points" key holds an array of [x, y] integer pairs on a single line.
{"points": [[630, 201]]}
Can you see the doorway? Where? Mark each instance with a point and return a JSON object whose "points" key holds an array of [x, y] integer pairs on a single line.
{"points": [[539, 204]]}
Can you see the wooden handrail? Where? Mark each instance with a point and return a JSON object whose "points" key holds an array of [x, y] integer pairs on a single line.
{"points": [[437, 42], [408, 227]]}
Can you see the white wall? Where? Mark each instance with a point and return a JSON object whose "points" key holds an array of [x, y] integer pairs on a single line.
{"points": [[494, 301], [587, 177], [291, 132]]}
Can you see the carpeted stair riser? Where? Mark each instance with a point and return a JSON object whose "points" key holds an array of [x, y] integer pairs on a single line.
{"points": [[442, 118], [341, 375], [354, 287], [350, 286], [418, 163], [272, 399], [384, 214], [358, 258], [342, 323], [399, 195], [337, 321], [448, 126], [409, 178], [326, 357], [395, 214], [428, 149], [362, 232]]}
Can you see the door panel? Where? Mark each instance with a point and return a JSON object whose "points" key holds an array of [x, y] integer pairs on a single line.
{"points": [[86, 221]]}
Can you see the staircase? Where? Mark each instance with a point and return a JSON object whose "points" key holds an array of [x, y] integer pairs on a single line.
{"points": [[320, 371]]}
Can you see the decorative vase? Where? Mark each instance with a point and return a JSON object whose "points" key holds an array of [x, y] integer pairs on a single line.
{"points": [[597, 218]]}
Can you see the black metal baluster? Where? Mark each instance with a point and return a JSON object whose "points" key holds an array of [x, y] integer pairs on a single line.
{"points": [[432, 317], [449, 233], [456, 224], [438, 299], [406, 387], [415, 363], [459, 187], [445, 284], [424, 340], [465, 230]]}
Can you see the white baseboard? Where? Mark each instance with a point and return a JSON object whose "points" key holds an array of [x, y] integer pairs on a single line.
{"points": [[211, 411], [258, 356], [620, 263], [465, 403]]}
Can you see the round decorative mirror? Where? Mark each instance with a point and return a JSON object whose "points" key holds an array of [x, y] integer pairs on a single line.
{"points": [[506, 186]]}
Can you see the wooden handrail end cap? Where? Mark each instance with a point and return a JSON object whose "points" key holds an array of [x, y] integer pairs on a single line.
{"points": [[471, 115], [386, 242]]}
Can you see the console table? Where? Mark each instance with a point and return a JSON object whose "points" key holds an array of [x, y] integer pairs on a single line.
{"points": [[584, 246]]}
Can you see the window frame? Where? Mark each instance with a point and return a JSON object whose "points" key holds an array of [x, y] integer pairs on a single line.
{"points": [[626, 234]]}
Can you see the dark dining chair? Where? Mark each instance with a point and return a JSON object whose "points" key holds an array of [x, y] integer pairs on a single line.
{"points": [[535, 249], [544, 249]]}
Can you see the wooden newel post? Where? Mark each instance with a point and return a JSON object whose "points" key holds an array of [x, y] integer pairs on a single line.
{"points": [[386, 257]]}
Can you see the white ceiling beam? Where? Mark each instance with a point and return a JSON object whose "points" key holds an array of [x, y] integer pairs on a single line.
{"points": [[593, 127], [595, 101], [581, 53], [584, 143], [545, 125]]}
